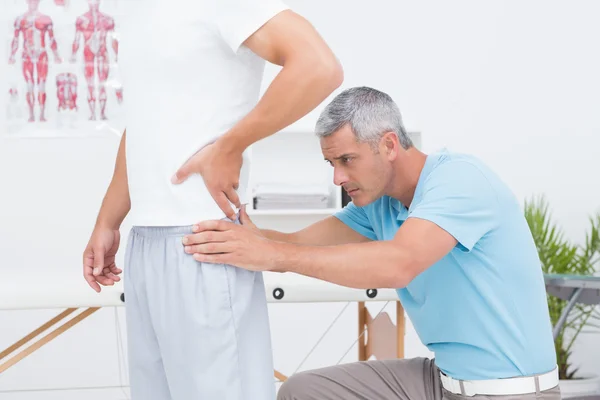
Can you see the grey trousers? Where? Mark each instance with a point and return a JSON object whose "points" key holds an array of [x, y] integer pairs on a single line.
{"points": [[196, 331], [404, 379]]}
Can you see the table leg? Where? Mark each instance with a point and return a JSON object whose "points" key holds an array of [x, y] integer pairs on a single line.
{"points": [[400, 329], [378, 336], [46, 339]]}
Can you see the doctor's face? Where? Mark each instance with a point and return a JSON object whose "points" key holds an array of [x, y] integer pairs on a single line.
{"points": [[363, 170]]}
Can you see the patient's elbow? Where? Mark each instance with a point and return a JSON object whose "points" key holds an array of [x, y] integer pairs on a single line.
{"points": [[326, 73], [334, 73]]}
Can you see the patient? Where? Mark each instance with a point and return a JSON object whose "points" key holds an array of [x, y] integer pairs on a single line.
{"points": [[198, 330]]}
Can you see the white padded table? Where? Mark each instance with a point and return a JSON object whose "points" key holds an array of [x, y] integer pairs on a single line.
{"points": [[19, 291], [26, 290]]}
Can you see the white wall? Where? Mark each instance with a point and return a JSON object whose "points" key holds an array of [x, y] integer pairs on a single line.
{"points": [[514, 82]]}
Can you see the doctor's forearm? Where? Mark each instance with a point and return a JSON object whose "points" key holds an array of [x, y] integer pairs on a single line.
{"points": [[277, 236], [356, 265]]}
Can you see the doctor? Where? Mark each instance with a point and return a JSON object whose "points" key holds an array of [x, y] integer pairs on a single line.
{"points": [[445, 231]]}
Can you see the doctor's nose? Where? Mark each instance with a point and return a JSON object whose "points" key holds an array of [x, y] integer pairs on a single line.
{"points": [[339, 177]]}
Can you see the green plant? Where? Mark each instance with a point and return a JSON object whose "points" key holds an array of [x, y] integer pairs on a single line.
{"points": [[559, 256]]}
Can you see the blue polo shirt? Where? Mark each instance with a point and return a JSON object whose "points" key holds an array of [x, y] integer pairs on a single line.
{"points": [[482, 309]]}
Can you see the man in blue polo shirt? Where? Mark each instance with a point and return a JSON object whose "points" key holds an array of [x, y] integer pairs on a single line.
{"points": [[443, 230]]}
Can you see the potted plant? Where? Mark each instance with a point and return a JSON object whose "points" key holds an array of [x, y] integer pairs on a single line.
{"points": [[559, 256]]}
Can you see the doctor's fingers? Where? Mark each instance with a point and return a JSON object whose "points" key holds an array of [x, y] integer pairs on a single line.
{"points": [[212, 248], [208, 237]]}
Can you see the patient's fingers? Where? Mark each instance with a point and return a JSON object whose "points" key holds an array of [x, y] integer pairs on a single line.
{"points": [[115, 270], [108, 273], [223, 203], [234, 199], [98, 260], [90, 278], [104, 280]]}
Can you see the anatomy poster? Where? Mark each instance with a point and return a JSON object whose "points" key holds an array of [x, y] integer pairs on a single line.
{"points": [[61, 68]]}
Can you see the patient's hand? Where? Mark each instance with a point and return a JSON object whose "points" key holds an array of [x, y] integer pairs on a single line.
{"points": [[220, 168], [99, 258]]}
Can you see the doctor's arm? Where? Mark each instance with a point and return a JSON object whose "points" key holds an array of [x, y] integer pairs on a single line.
{"points": [[359, 263], [330, 231], [394, 263], [459, 205]]}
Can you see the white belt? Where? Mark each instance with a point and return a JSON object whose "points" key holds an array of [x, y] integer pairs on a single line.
{"points": [[507, 386]]}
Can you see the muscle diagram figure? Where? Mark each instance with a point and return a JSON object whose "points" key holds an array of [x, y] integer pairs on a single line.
{"points": [[12, 108], [66, 91], [34, 27], [95, 26]]}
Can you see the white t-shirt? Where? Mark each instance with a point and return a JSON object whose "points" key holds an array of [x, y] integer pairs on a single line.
{"points": [[187, 79]]}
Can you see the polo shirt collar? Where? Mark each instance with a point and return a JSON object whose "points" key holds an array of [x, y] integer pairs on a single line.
{"points": [[430, 162]]}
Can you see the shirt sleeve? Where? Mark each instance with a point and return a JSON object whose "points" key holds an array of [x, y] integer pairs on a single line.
{"points": [[459, 199], [357, 219], [237, 20]]}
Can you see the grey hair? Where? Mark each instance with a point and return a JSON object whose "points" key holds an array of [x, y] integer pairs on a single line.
{"points": [[369, 112]]}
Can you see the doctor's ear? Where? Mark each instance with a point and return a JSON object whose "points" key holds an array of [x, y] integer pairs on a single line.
{"points": [[391, 145]]}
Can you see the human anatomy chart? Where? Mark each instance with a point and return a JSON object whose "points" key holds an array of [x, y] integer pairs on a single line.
{"points": [[61, 75]]}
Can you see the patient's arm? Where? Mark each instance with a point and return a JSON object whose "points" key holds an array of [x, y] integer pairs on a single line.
{"points": [[327, 232], [116, 203]]}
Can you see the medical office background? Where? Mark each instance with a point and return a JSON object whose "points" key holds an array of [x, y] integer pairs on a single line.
{"points": [[517, 83]]}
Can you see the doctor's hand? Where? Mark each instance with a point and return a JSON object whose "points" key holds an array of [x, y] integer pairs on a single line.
{"points": [[219, 165], [99, 258], [224, 242]]}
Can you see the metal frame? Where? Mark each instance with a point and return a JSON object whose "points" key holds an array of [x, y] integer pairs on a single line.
{"points": [[574, 289]]}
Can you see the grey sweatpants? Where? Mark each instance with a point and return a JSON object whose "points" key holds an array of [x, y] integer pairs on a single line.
{"points": [[195, 330], [403, 379]]}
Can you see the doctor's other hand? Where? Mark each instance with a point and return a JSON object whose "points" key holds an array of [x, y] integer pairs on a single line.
{"points": [[99, 266], [219, 165]]}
